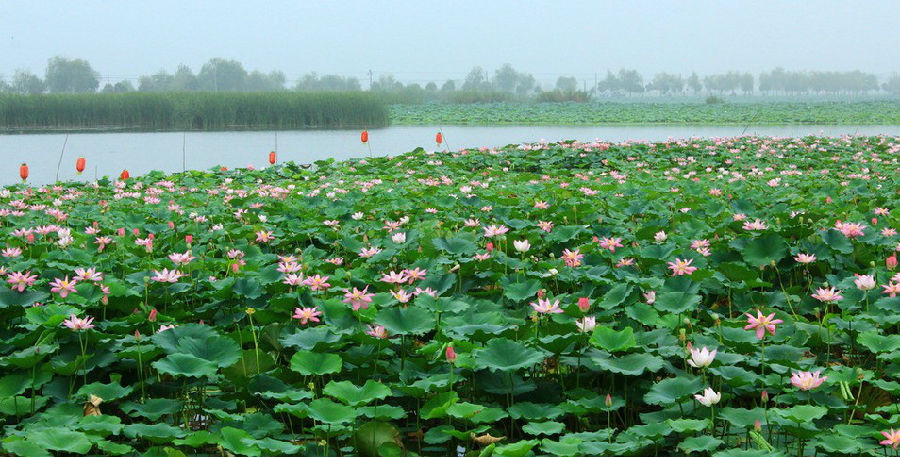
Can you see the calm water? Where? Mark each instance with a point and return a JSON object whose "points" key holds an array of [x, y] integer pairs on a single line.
{"points": [[110, 153]]}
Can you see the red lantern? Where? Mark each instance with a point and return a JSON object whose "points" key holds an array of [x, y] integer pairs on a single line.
{"points": [[272, 157], [79, 165], [125, 175], [224, 168], [439, 138], [364, 136], [23, 171]]}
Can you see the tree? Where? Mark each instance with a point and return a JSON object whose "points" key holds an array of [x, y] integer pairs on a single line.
{"points": [[70, 76], [25, 82], [4, 87], [506, 78], [183, 80], [448, 86], [666, 83], [892, 85], [221, 75], [431, 86], [118, 88], [475, 80], [566, 84], [694, 83], [526, 83], [610, 84], [631, 81], [386, 83], [260, 82], [746, 83]]}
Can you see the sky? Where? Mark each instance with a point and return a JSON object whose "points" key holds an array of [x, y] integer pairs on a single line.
{"points": [[424, 40]]}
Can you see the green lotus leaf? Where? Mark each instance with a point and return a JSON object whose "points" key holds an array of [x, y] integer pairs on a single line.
{"points": [[671, 390], [517, 449], [613, 340], [185, 365], [352, 395], [879, 343], [615, 296], [108, 392], [405, 321], [315, 363], [239, 442], [60, 439], [631, 364], [543, 428], [329, 412], [519, 291], [152, 408], [700, 444], [501, 354]]}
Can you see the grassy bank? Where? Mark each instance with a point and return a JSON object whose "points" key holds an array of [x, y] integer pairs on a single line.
{"points": [[192, 111], [883, 112]]}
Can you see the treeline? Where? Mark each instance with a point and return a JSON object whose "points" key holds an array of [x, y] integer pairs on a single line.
{"points": [[192, 111], [223, 75]]}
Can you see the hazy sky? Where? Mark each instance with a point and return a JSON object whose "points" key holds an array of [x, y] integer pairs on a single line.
{"points": [[431, 40]]}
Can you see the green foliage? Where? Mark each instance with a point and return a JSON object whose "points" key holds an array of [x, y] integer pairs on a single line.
{"points": [[192, 111]]}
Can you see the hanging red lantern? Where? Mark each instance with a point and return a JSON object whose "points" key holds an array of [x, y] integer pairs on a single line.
{"points": [[272, 157], [125, 175], [439, 138], [23, 171], [79, 165], [364, 136]]}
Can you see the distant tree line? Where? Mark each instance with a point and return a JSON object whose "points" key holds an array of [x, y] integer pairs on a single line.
{"points": [[64, 75]]}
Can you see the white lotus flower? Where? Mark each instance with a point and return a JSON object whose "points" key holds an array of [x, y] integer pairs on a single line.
{"points": [[522, 246], [702, 358], [710, 397]]}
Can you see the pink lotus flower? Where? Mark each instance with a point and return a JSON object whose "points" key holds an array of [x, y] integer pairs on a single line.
{"points": [[293, 280], [893, 438], [63, 286], [545, 226], [74, 323], [805, 258], [495, 230], [415, 274], [317, 282], [892, 289], [12, 252], [394, 278], [306, 315], [611, 243], [805, 380], [358, 298], [19, 280], [650, 297], [572, 258], [681, 267], [584, 304], [762, 323], [377, 331], [90, 274], [864, 282], [181, 259], [166, 275], [163, 328], [450, 354], [850, 230], [264, 236], [401, 295], [827, 295], [545, 307], [368, 252]]}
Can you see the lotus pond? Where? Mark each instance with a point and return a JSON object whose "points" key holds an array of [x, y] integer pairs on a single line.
{"points": [[726, 297]]}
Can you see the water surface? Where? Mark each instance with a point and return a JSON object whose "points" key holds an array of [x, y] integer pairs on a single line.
{"points": [[110, 153]]}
